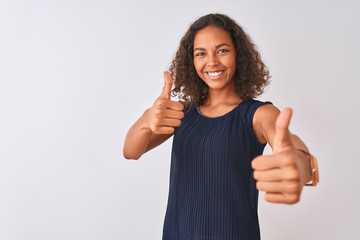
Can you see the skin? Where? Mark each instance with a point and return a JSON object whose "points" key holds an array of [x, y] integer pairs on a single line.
{"points": [[156, 125], [281, 175], [214, 52]]}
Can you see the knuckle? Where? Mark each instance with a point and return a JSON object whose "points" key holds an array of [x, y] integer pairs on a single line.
{"points": [[292, 175], [157, 102], [294, 198], [296, 174], [255, 162], [288, 159], [256, 174], [259, 185], [161, 103], [285, 161], [157, 114], [156, 131], [294, 187], [179, 105], [292, 162], [169, 130], [268, 197], [297, 187], [156, 122]]}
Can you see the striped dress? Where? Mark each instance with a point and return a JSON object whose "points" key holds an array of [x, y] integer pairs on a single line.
{"points": [[212, 194]]}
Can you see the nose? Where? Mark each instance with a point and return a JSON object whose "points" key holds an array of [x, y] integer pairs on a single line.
{"points": [[213, 60]]}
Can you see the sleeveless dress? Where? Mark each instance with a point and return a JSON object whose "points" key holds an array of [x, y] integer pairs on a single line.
{"points": [[212, 192]]}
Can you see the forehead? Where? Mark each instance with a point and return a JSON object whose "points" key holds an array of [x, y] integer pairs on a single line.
{"points": [[211, 36]]}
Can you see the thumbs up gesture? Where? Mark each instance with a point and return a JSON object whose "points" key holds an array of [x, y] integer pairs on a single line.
{"points": [[165, 115], [280, 175]]}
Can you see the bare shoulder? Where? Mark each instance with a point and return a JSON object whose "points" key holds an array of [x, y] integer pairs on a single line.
{"points": [[266, 111], [264, 121]]}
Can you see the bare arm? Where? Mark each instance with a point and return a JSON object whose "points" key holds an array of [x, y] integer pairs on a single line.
{"points": [[141, 139], [155, 126], [283, 174]]}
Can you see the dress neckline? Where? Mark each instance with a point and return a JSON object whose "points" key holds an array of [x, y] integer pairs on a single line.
{"points": [[198, 110]]}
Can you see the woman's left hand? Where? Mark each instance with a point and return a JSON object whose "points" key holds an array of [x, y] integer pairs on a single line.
{"points": [[281, 175]]}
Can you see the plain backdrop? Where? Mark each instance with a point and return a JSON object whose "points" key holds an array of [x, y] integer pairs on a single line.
{"points": [[75, 75]]}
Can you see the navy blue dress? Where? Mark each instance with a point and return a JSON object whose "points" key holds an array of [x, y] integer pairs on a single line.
{"points": [[212, 193]]}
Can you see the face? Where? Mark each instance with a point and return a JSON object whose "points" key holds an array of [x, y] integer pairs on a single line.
{"points": [[215, 58]]}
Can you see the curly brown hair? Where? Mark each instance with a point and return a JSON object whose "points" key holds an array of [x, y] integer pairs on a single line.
{"points": [[251, 75]]}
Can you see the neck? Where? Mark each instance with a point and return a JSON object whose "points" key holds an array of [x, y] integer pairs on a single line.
{"points": [[219, 97]]}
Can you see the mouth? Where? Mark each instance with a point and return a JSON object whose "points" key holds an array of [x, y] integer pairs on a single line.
{"points": [[215, 74]]}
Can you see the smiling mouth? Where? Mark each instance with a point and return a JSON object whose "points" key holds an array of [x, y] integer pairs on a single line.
{"points": [[215, 75]]}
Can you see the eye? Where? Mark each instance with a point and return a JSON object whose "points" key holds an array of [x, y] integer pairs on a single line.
{"points": [[199, 54], [223, 51]]}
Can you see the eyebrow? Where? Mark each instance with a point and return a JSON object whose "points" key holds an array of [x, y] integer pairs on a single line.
{"points": [[224, 44], [218, 46]]}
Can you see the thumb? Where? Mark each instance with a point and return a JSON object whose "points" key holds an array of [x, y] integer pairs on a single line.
{"points": [[282, 140], [166, 92]]}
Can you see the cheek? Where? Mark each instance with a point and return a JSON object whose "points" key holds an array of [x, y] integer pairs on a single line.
{"points": [[232, 65], [198, 68]]}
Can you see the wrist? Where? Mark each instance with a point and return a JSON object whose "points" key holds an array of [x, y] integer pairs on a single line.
{"points": [[305, 166], [312, 170]]}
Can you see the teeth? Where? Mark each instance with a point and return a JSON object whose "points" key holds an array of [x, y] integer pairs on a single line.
{"points": [[214, 74]]}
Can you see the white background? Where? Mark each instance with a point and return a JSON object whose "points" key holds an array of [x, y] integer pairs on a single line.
{"points": [[75, 75]]}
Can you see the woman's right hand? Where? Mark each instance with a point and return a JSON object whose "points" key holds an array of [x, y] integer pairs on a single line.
{"points": [[165, 115]]}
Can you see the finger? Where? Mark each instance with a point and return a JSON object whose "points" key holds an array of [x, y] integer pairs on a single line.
{"points": [[166, 92], [269, 175], [269, 162], [168, 104], [279, 187], [273, 175], [265, 163], [169, 113], [282, 198], [169, 122], [163, 130], [175, 105], [282, 139]]}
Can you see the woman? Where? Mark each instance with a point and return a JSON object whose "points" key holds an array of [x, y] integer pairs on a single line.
{"points": [[220, 132]]}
